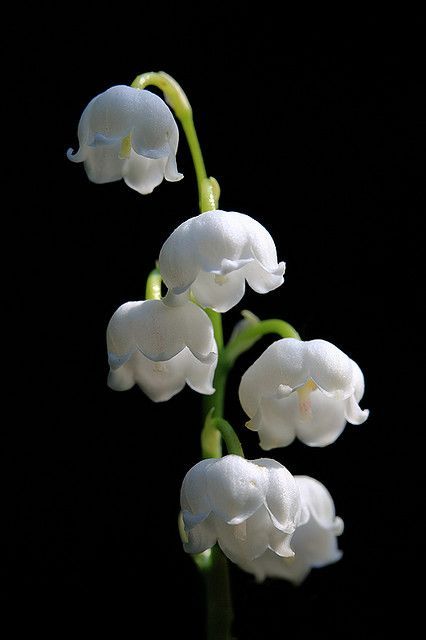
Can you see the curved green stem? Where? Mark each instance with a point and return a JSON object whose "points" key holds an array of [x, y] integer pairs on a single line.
{"points": [[208, 188], [211, 426], [219, 600], [248, 336], [153, 286]]}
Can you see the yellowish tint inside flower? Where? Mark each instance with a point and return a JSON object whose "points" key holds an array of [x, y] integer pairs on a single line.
{"points": [[220, 279], [126, 147], [304, 393]]}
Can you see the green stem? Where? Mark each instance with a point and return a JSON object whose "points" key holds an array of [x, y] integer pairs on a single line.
{"points": [[246, 338], [208, 188], [212, 448], [219, 601], [211, 445], [212, 426], [153, 286], [216, 320]]}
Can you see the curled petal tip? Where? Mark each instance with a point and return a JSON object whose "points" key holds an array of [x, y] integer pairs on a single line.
{"points": [[78, 156], [251, 425], [209, 358], [338, 526], [280, 270], [174, 177], [353, 412]]}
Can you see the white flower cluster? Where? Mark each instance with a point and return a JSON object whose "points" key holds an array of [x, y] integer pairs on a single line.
{"points": [[264, 519], [254, 510], [208, 259]]}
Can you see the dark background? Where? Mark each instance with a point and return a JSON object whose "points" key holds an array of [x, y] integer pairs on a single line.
{"points": [[319, 142]]}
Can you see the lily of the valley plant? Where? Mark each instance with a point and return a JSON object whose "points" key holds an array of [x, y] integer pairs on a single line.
{"points": [[255, 513]]}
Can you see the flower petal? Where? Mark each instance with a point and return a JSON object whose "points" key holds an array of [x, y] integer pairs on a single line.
{"points": [[272, 565], [353, 413], [229, 540], [280, 420], [193, 495], [275, 422], [162, 331], [326, 424], [236, 488], [316, 540], [119, 334], [358, 381], [282, 363], [247, 540], [177, 260], [258, 534], [220, 296], [103, 164], [78, 156], [199, 375], [282, 497], [152, 132], [261, 280], [121, 379], [279, 543], [329, 368], [160, 381], [114, 113], [317, 498], [314, 543], [143, 174], [171, 172], [201, 537], [84, 135]]}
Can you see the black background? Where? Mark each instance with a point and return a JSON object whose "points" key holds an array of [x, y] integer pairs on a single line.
{"points": [[317, 141]]}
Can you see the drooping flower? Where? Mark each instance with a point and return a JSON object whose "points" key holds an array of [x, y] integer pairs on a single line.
{"points": [[213, 255], [161, 347], [304, 389], [247, 507], [314, 542], [131, 134]]}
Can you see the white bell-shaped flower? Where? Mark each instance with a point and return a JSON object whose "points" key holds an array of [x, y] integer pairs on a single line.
{"points": [[304, 389], [161, 347], [247, 507], [213, 254], [131, 134], [314, 542]]}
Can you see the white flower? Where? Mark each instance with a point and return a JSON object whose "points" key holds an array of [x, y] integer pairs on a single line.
{"points": [[247, 507], [314, 541], [160, 347], [304, 389], [214, 254], [131, 134]]}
